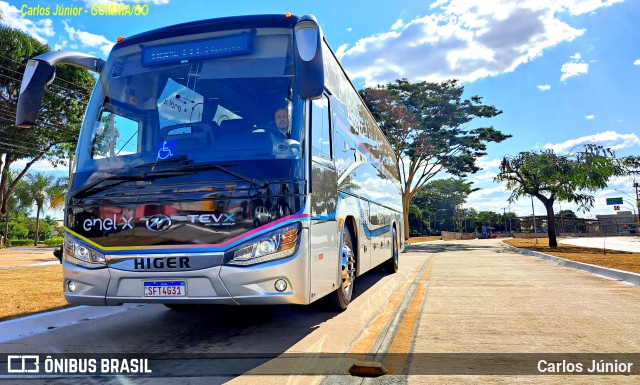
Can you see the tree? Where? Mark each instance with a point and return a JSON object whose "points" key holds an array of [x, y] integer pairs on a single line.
{"points": [[18, 205], [427, 127], [567, 214], [42, 188], [54, 136], [417, 224], [447, 195], [549, 177]]}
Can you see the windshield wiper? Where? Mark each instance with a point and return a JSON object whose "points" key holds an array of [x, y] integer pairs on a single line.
{"points": [[212, 166], [91, 188]]}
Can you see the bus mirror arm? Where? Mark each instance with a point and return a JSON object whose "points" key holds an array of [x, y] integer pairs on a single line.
{"points": [[39, 73], [308, 58]]}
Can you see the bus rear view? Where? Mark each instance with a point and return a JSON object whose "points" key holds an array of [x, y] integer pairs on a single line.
{"points": [[192, 182]]}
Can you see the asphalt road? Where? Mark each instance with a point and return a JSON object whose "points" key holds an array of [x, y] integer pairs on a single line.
{"points": [[456, 312]]}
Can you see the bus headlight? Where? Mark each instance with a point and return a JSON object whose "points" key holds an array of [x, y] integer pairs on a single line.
{"points": [[77, 253], [278, 244]]}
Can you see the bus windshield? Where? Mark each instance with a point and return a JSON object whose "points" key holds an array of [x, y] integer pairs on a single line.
{"points": [[209, 97]]}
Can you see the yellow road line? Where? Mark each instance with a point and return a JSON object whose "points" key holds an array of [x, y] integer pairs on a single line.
{"points": [[365, 343], [401, 344]]}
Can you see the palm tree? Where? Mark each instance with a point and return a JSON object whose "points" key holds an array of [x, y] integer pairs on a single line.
{"points": [[58, 192], [19, 203], [45, 189]]}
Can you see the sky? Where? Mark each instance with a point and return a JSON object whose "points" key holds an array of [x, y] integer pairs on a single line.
{"points": [[564, 73]]}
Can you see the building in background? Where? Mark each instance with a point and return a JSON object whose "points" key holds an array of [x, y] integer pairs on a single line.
{"points": [[621, 222]]}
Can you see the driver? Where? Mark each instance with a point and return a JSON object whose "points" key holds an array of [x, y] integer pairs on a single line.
{"points": [[282, 121]]}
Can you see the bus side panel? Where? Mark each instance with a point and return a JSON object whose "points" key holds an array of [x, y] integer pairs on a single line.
{"points": [[353, 207], [323, 231]]}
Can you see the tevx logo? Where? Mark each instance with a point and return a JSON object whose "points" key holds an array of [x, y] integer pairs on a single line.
{"points": [[213, 220]]}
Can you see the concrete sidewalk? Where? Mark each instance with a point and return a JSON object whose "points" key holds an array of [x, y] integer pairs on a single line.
{"points": [[630, 244], [482, 298]]}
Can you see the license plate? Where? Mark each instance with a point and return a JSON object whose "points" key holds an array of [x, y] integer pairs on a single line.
{"points": [[165, 289]]}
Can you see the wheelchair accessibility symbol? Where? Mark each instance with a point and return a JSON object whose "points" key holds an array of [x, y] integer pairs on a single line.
{"points": [[166, 149]]}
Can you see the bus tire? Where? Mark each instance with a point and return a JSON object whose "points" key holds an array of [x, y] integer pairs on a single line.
{"points": [[391, 264], [342, 295]]}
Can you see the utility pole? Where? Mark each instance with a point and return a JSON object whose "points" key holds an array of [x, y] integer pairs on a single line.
{"points": [[504, 212], [637, 186]]}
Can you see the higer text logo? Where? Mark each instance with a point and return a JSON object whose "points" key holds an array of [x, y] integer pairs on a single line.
{"points": [[111, 223]]}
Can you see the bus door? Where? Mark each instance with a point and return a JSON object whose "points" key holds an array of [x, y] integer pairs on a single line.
{"points": [[324, 237]]}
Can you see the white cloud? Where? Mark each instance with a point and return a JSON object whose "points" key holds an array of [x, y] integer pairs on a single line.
{"points": [[575, 67], [486, 192], [485, 163], [465, 39], [397, 25], [40, 166], [579, 7], [349, 29], [544, 87], [610, 139], [62, 45], [590, 117], [486, 177], [12, 17], [88, 39], [636, 62]]}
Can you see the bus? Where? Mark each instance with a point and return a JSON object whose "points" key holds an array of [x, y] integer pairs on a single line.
{"points": [[224, 161]]}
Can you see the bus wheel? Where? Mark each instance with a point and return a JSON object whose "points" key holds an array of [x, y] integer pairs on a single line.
{"points": [[391, 264], [342, 296]]}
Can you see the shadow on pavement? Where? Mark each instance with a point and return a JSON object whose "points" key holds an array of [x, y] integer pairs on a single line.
{"points": [[451, 246]]}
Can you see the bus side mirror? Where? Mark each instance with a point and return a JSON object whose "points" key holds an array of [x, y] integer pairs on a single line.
{"points": [[308, 58], [37, 75]]}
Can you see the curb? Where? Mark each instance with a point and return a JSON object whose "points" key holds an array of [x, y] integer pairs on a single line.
{"points": [[606, 272], [43, 322]]}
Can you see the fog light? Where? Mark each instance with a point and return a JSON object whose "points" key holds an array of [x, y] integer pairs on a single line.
{"points": [[281, 285], [71, 286]]}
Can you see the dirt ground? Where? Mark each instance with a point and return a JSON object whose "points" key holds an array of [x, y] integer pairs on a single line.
{"points": [[423, 239], [17, 257], [619, 260]]}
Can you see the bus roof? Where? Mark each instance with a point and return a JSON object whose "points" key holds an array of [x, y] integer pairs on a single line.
{"points": [[210, 25]]}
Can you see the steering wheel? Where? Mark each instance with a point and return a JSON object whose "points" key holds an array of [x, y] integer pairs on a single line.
{"points": [[166, 130]]}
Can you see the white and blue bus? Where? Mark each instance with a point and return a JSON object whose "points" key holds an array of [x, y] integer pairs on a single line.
{"points": [[224, 161]]}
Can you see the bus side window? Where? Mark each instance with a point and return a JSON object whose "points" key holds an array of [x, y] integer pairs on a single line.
{"points": [[115, 135], [320, 128]]}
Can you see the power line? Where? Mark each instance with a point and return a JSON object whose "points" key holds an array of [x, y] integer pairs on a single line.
{"points": [[53, 126], [64, 80], [19, 80]]}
